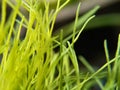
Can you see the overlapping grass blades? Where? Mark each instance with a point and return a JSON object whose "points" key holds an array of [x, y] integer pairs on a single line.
{"points": [[31, 63]]}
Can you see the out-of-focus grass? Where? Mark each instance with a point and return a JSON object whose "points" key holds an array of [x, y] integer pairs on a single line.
{"points": [[32, 64], [112, 19]]}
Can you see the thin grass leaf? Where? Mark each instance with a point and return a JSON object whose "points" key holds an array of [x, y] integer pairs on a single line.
{"points": [[75, 63], [76, 20], [107, 57], [91, 69], [68, 28]]}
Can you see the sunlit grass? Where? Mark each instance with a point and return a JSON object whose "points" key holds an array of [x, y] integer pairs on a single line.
{"points": [[32, 64]]}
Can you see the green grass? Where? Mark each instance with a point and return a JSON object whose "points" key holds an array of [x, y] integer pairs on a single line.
{"points": [[32, 64]]}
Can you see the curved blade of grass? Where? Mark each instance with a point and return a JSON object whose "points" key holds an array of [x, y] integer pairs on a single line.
{"points": [[110, 84], [107, 57], [68, 29], [99, 70], [78, 32], [91, 69]]}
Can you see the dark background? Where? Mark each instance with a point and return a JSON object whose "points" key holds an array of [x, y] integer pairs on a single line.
{"points": [[91, 42]]}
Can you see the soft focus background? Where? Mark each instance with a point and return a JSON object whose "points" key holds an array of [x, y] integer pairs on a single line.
{"points": [[91, 41]]}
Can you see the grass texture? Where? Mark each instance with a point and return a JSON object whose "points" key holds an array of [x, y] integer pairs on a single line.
{"points": [[30, 63]]}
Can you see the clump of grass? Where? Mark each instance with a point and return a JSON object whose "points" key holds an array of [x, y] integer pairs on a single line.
{"points": [[32, 64]]}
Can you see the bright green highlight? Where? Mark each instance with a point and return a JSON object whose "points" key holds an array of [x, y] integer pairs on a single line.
{"points": [[30, 63]]}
